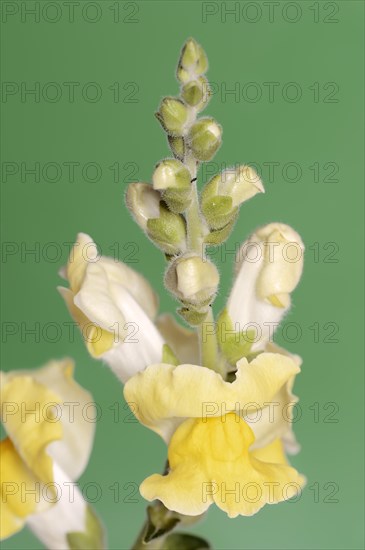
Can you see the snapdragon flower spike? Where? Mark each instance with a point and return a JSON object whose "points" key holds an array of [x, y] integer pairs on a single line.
{"points": [[115, 308], [268, 268], [44, 452], [213, 442]]}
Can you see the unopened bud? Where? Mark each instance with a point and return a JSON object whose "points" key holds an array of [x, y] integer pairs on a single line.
{"points": [[166, 229], [226, 191], [192, 280], [193, 61], [205, 138], [173, 180], [173, 115], [171, 174], [196, 93]]}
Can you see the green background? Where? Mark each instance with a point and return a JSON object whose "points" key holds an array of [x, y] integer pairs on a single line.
{"points": [[324, 208]]}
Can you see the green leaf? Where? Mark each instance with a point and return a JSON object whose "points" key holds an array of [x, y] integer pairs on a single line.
{"points": [[182, 541], [92, 539]]}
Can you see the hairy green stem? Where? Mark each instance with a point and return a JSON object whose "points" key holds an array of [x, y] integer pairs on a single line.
{"points": [[208, 345]]}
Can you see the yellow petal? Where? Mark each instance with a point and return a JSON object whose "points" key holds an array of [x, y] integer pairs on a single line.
{"points": [[282, 425], [210, 461], [271, 453], [164, 392], [76, 412], [30, 421], [19, 490]]}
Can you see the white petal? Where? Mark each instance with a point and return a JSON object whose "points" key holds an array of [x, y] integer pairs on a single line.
{"points": [[134, 282], [265, 277], [142, 345], [68, 514]]}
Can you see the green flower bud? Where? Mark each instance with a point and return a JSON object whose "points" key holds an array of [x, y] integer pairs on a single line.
{"points": [[173, 180], [171, 174], [177, 146], [225, 192], [166, 229], [193, 61], [196, 93], [192, 280], [205, 138], [173, 115]]}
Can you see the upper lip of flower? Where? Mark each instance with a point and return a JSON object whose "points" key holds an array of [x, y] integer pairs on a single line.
{"points": [[164, 393]]}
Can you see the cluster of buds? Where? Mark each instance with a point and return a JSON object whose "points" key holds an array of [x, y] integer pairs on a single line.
{"points": [[187, 136], [170, 211]]}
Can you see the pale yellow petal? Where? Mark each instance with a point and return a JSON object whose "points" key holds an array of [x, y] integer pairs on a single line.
{"points": [[180, 491], [83, 252], [163, 392], [19, 490], [76, 412], [210, 461], [28, 413], [275, 419], [282, 420], [271, 453]]}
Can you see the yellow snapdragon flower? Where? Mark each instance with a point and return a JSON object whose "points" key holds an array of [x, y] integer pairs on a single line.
{"points": [[221, 448], [46, 416]]}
